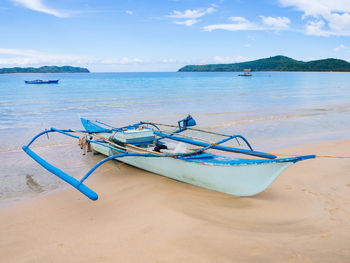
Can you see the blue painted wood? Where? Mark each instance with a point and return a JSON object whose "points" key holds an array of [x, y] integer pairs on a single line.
{"points": [[223, 160], [65, 177], [40, 81], [112, 158], [217, 147], [89, 126]]}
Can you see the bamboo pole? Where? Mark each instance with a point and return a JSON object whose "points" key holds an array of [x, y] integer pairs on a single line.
{"points": [[185, 136], [193, 129]]}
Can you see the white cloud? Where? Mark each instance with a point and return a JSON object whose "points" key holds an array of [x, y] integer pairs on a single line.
{"points": [[318, 7], [26, 57], [170, 60], [188, 22], [339, 23], [122, 61], [18, 52], [238, 19], [340, 47], [218, 59], [38, 5], [211, 60], [332, 17], [129, 12], [316, 28], [241, 23], [278, 23], [195, 13], [191, 16]]}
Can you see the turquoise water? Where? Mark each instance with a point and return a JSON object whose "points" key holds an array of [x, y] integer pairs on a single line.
{"points": [[270, 109], [282, 105]]}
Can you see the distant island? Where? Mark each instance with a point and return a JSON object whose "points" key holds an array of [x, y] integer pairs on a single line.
{"points": [[45, 69], [277, 63]]}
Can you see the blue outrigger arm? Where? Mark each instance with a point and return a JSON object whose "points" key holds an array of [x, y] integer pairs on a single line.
{"points": [[59, 173], [218, 147], [64, 176]]}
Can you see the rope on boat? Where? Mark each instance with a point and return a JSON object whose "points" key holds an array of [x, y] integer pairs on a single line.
{"points": [[188, 128], [186, 136], [317, 156], [135, 148], [209, 142], [329, 156]]}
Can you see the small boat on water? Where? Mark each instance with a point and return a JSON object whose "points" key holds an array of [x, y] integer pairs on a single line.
{"points": [[246, 73], [171, 153], [40, 81]]}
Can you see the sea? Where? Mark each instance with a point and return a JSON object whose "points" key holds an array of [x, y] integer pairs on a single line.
{"points": [[271, 109]]}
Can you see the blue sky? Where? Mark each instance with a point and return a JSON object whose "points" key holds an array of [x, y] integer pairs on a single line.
{"points": [[135, 35]]}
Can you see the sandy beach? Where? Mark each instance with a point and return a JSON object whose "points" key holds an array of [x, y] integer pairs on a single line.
{"points": [[304, 216], [157, 80]]}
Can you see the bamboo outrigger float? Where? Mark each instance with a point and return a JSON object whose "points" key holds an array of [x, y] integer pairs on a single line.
{"points": [[146, 146]]}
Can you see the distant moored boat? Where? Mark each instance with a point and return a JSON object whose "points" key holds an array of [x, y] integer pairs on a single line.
{"points": [[40, 81], [246, 73]]}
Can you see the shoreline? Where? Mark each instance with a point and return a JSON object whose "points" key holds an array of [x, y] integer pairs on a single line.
{"points": [[112, 72], [75, 153], [43, 73], [314, 71], [77, 157], [304, 216]]}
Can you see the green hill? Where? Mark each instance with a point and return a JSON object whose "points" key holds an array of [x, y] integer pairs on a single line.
{"points": [[277, 63], [45, 69]]}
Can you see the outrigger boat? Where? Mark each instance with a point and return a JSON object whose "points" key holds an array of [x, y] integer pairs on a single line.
{"points": [[40, 81], [145, 145], [246, 73]]}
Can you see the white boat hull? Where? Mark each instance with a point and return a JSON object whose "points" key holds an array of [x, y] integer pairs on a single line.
{"points": [[238, 180]]}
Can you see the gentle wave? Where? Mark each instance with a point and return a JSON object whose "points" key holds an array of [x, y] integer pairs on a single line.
{"points": [[273, 118], [35, 147]]}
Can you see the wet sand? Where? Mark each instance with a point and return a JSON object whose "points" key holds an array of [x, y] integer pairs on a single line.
{"points": [[304, 216]]}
